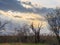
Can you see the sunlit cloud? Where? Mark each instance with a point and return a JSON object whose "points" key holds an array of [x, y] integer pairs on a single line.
{"points": [[25, 17]]}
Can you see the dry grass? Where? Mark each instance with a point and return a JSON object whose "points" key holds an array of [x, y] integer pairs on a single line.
{"points": [[20, 44]]}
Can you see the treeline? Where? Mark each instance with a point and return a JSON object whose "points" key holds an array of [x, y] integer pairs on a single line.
{"points": [[28, 39]]}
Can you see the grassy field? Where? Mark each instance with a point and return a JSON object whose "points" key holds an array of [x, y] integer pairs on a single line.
{"points": [[20, 44]]}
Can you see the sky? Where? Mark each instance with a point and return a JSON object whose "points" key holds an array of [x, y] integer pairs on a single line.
{"points": [[46, 3], [50, 3], [26, 10], [27, 5]]}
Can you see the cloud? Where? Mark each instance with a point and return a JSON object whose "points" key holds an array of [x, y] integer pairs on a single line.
{"points": [[16, 5], [28, 3], [13, 5], [50, 3]]}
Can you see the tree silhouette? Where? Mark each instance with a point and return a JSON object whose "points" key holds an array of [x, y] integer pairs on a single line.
{"points": [[3, 25], [36, 32], [54, 22]]}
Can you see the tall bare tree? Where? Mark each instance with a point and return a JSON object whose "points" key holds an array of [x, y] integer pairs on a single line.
{"points": [[36, 32], [54, 22]]}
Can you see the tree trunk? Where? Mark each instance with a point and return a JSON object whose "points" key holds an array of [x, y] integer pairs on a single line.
{"points": [[37, 38], [58, 38]]}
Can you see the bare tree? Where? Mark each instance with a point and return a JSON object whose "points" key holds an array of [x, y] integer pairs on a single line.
{"points": [[54, 22], [23, 32], [36, 32], [2, 25]]}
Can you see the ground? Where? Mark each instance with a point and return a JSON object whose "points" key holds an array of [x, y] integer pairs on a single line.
{"points": [[20, 44]]}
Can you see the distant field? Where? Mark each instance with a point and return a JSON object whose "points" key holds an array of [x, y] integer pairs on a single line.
{"points": [[20, 44]]}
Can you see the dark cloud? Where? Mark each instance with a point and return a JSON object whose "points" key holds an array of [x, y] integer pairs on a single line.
{"points": [[27, 3], [15, 5], [12, 5]]}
